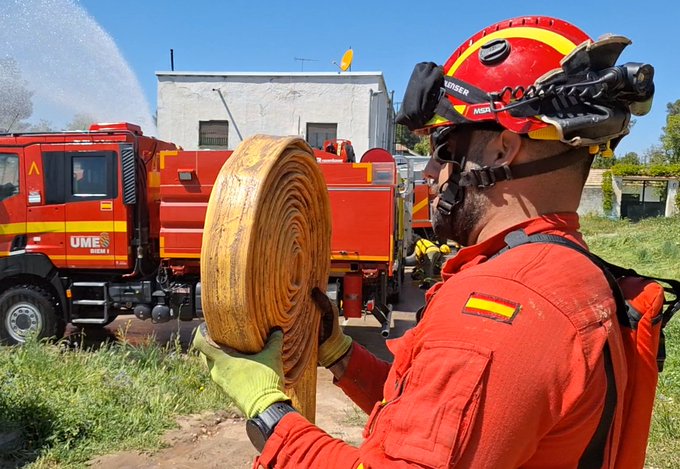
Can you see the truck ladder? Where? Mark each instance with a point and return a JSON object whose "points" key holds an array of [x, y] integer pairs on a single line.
{"points": [[89, 303]]}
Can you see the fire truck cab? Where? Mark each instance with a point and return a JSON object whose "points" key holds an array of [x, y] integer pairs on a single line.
{"points": [[78, 227]]}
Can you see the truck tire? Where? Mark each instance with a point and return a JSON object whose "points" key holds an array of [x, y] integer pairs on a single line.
{"points": [[27, 309]]}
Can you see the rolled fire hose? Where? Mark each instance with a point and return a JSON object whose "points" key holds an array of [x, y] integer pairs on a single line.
{"points": [[266, 245]]}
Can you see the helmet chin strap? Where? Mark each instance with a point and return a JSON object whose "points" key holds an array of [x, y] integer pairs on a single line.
{"points": [[452, 192]]}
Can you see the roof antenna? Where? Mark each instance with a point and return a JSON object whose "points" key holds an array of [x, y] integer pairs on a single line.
{"points": [[302, 62]]}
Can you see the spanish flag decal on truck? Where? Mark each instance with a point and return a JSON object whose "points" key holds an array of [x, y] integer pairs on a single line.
{"points": [[498, 309]]}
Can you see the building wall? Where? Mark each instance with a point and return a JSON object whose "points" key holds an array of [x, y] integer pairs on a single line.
{"points": [[591, 201], [591, 198], [671, 208], [275, 104], [617, 183]]}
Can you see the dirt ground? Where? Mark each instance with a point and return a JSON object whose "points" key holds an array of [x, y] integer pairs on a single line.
{"points": [[219, 440]]}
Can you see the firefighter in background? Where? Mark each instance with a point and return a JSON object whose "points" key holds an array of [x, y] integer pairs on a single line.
{"points": [[427, 259], [506, 366]]}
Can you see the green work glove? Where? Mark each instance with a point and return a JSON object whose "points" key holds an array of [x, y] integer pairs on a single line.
{"points": [[253, 382], [333, 343]]}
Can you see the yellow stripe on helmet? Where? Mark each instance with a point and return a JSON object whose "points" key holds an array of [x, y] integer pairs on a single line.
{"points": [[558, 42], [439, 120]]}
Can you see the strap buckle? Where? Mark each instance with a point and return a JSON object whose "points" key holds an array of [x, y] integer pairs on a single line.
{"points": [[488, 176]]}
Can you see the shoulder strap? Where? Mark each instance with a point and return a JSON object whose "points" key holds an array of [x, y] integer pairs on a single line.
{"points": [[594, 454], [610, 271]]}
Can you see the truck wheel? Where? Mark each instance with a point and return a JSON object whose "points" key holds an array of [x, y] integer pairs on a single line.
{"points": [[28, 309]]}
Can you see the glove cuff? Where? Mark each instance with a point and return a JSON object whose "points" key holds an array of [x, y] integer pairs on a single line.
{"points": [[264, 401], [334, 349]]}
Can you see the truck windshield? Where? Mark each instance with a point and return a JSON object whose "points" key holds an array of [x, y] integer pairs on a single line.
{"points": [[9, 175]]}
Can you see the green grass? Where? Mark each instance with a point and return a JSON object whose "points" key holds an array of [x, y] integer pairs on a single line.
{"points": [[73, 404], [651, 247]]}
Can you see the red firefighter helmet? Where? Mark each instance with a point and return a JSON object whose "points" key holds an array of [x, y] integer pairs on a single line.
{"points": [[511, 54], [538, 76]]}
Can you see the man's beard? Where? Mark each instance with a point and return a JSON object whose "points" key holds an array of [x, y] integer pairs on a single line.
{"points": [[463, 220]]}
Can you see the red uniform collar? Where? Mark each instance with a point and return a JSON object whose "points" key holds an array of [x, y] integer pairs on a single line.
{"points": [[564, 224]]}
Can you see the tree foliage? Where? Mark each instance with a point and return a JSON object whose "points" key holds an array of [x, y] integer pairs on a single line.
{"points": [[423, 147], [15, 97], [655, 155], [663, 170], [629, 158], [671, 138], [406, 137], [80, 122], [602, 163], [42, 125], [673, 109]]}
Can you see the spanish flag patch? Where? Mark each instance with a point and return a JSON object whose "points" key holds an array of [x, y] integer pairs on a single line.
{"points": [[498, 309]]}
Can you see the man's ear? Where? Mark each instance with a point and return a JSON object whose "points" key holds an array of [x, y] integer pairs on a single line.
{"points": [[505, 148]]}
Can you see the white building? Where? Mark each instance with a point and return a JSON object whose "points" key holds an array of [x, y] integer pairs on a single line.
{"points": [[634, 197], [217, 110]]}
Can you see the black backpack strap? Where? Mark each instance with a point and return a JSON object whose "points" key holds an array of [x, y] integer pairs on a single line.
{"points": [[593, 456]]}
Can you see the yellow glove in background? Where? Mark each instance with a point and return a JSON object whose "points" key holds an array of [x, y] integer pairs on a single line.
{"points": [[333, 343], [253, 382]]}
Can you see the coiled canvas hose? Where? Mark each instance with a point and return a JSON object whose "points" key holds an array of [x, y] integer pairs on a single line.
{"points": [[266, 245]]}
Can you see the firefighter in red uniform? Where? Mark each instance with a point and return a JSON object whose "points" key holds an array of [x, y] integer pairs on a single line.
{"points": [[506, 366]]}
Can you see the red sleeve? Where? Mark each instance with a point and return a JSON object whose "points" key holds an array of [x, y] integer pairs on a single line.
{"points": [[364, 378], [297, 443]]}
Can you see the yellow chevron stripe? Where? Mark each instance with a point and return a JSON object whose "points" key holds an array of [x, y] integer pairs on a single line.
{"points": [[167, 153], [369, 170]]}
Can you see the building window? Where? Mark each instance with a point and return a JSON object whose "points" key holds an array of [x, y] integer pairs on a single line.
{"points": [[214, 134], [9, 176], [319, 133]]}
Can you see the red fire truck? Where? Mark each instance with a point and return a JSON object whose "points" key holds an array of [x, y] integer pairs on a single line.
{"points": [[99, 223], [422, 198]]}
